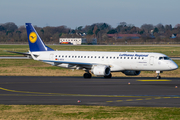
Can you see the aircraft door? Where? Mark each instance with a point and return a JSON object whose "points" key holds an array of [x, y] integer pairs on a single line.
{"points": [[51, 57], [151, 60]]}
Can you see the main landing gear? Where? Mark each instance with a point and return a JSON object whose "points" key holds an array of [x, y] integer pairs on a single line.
{"points": [[109, 76], [158, 76], [87, 75]]}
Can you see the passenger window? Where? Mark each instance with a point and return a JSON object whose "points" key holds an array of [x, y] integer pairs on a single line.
{"points": [[124, 57], [69, 56], [114, 57], [110, 57], [91, 56], [88, 56], [56, 56], [84, 56], [121, 57], [139, 58], [142, 58], [95, 57], [63, 56], [128, 58], [59, 56], [66, 56], [99, 57], [106, 57], [131, 57], [135, 58], [117, 57], [81, 56]]}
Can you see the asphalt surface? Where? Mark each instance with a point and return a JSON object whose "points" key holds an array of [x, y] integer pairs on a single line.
{"points": [[117, 91]]}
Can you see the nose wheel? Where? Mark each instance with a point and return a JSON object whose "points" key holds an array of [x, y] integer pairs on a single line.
{"points": [[158, 77]]}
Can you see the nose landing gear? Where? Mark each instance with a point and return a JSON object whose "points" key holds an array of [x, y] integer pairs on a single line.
{"points": [[158, 76]]}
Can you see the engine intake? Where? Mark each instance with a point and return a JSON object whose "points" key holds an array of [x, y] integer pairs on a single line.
{"points": [[101, 70], [131, 72]]}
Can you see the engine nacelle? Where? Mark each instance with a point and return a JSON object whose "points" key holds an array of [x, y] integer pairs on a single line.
{"points": [[101, 70], [131, 72]]}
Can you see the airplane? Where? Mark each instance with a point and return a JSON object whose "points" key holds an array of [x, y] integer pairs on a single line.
{"points": [[98, 63]]}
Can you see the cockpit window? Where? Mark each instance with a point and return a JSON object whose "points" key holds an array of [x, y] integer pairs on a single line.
{"points": [[164, 58], [160, 58]]}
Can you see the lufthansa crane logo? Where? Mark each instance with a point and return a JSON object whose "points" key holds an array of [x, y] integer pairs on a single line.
{"points": [[32, 37]]}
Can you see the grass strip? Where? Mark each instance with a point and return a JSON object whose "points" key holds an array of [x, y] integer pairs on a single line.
{"points": [[63, 112]]}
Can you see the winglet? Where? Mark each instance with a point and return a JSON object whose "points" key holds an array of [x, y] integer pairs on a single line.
{"points": [[35, 42]]}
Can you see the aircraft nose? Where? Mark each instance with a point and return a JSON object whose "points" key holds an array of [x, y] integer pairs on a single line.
{"points": [[174, 66]]}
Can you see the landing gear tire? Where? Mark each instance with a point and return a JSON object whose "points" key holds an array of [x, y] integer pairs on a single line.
{"points": [[109, 76], [158, 77], [87, 75]]}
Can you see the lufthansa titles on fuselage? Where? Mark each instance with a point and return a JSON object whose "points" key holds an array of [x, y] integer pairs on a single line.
{"points": [[134, 55]]}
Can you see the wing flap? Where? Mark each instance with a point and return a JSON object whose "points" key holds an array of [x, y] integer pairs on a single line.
{"points": [[71, 63]]}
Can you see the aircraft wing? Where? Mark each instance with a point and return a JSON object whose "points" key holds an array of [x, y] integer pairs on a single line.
{"points": [[72, 63], [80, 64]]}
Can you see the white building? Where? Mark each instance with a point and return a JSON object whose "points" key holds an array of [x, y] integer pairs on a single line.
{"points": [[74, 41]]}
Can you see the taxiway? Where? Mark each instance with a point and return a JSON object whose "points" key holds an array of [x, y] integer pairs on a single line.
{"points": [[117, 91]]}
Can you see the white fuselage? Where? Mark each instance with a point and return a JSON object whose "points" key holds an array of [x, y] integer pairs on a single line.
{"points": [[118, 61]]}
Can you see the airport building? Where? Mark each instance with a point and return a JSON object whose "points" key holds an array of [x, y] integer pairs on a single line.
{"points": [[77, 41], [74, 41]]}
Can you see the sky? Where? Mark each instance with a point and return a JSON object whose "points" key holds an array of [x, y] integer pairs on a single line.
{"points": [[75, 13]]}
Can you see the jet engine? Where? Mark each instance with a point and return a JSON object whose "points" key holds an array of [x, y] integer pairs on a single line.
{"points": [[101, 70], [131, 72]]}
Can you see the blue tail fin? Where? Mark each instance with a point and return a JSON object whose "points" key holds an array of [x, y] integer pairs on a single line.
{"points": [[35, 42]]}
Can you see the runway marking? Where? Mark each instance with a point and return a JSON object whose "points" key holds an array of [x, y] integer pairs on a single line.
{"points": [[166, 97], [144, 97], [175, 97], [63, 94], [153, 80], [148, 98], [157, 98], [23, 95], [129, 100], [139, 99], [58, 82]]}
